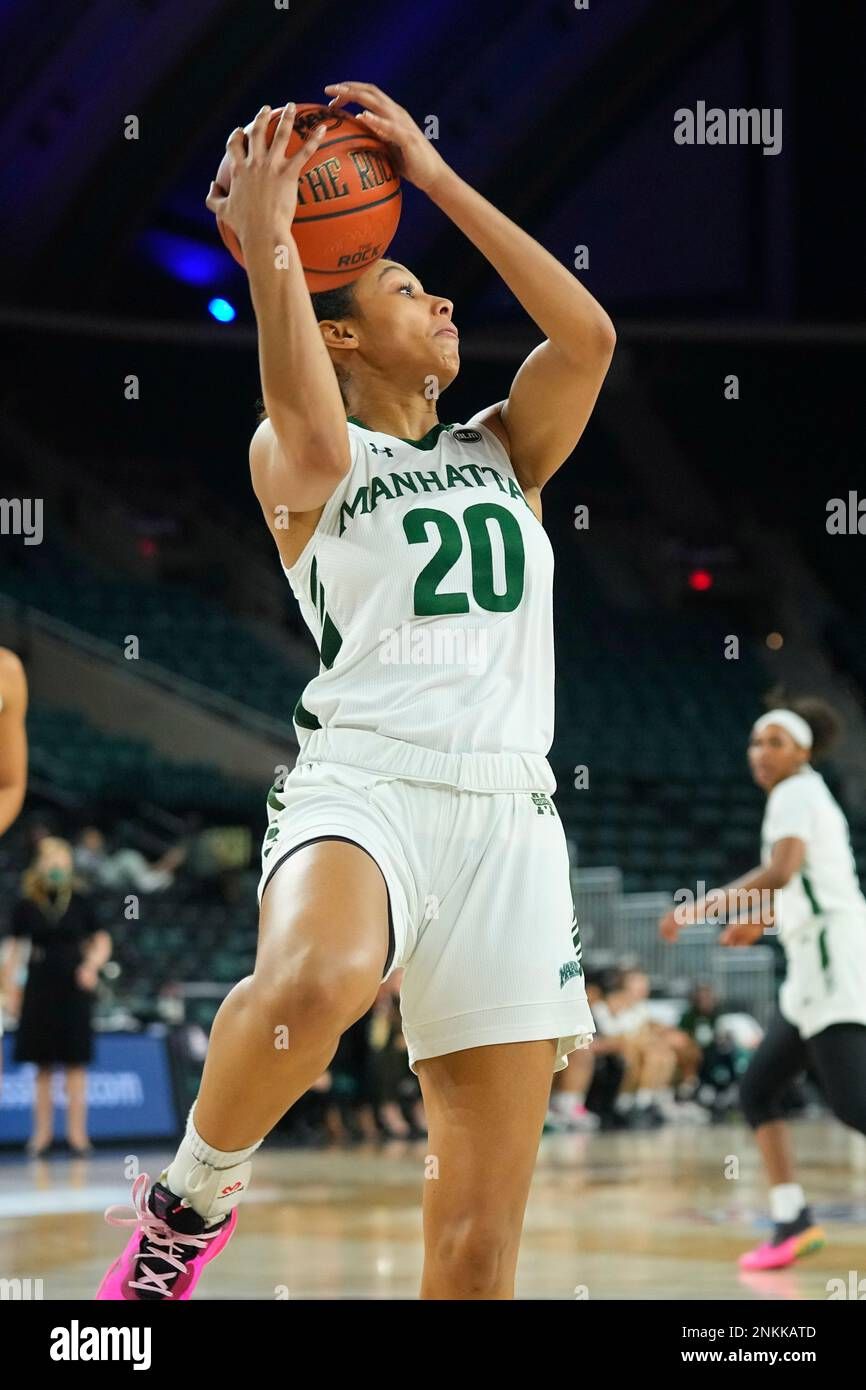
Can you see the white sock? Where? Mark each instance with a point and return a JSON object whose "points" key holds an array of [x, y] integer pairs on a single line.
{"points": [[664, 1095], [563, 1102], [787, 1200], [644, 1096], [211, 1180], [217, 1158], [624, 1102]]}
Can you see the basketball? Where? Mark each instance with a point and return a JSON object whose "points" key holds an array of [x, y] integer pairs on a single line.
{"points": [[349, 198]]}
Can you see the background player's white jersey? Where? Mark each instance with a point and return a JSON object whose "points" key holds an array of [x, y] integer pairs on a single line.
{"points": [[428, 588], [821, 912]]}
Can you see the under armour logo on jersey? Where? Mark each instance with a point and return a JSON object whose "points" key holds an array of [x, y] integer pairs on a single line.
{"points": [[467, 436], [375, 450]]}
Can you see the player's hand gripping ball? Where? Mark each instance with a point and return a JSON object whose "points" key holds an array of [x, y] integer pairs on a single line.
{"points": [[347, 192]]}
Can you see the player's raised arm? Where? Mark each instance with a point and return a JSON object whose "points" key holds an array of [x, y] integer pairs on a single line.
{"points": [[555, 390], [299, 454]]}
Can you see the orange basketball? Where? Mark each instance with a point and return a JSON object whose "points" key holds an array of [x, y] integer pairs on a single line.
{"points": [[349, 198]]}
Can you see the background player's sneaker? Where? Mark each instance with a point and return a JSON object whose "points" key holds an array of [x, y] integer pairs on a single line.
{"points": [[791, 1240], [168, 1249], [645, 1117], [684, 1112], [575, 1120]]}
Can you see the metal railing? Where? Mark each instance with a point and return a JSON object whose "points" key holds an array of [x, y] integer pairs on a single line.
{"points": [[622, 929], [597, 894]]}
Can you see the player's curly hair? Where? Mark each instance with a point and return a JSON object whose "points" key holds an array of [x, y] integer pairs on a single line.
{"points": [[339, 303], [824, 719]]}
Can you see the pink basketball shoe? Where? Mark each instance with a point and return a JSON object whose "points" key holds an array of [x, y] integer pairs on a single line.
{"points": [[784, 1249], [168, 1248]]}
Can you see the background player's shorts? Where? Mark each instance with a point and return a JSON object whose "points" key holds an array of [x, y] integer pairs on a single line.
{"points": [[825, 976], [480, 900]]}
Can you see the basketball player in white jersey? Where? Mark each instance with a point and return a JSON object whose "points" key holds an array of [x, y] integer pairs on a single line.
{"points": [[808, 867], [416, 829], [13, 768]]}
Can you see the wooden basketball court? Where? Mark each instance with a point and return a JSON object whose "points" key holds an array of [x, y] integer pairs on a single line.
{"points": [[621, 1216]]}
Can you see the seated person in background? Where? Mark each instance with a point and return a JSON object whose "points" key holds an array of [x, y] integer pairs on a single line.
{"points": [[349, 1116], [396, 1090], [608, 1067], [124, 868], [699, 1019], [368, 1091], [648, 1049], [699, 1023], [567, 1108], [725, 1048], [687, 1051]]}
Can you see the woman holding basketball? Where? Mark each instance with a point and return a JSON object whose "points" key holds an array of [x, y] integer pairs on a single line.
{"points": [[821, 914], [416, 829]]}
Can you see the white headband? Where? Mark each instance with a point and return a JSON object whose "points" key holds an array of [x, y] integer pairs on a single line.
{"points": [[786, 719]]}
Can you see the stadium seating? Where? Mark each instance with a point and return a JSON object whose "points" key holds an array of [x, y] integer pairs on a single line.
{"points": [[175, 628]]}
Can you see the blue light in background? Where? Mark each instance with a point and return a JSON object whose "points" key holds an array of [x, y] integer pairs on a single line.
{"points": [[221, 310], [185, 258]]}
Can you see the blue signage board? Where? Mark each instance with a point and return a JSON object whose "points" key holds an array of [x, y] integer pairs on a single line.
{"points": [[129, 1091]]}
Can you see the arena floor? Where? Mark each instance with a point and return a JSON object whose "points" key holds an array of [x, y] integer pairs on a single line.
{"points": [[622, 1216]]}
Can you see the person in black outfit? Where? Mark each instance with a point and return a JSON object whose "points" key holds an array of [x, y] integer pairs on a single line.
{"points": [[67, 951]]}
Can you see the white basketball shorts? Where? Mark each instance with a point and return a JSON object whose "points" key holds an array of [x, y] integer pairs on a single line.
{"points": [[479, 895]]}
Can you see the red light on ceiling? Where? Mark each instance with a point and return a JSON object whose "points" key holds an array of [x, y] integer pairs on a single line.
{"points": [[146, 547], [700, 581]]}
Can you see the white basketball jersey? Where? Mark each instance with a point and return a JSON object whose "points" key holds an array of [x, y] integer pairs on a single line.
{"points": [[802, 807], [427, 586], [821, 912]]}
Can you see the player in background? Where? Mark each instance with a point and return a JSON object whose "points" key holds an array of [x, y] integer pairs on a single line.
{"points": [[808, 867]]}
